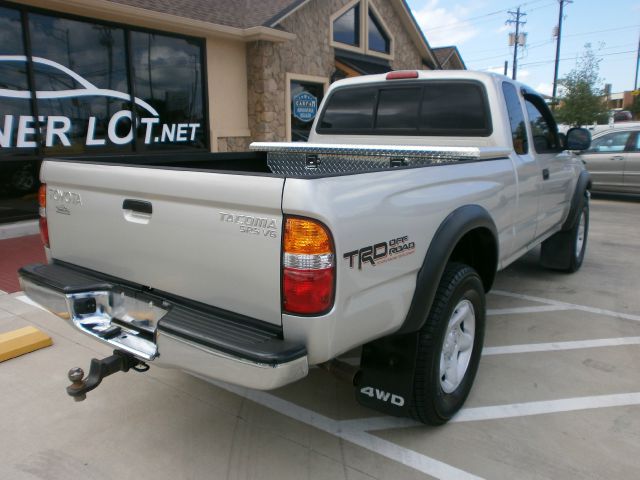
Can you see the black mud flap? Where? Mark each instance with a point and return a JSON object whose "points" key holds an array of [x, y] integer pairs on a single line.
{"points": [[387, 367]]}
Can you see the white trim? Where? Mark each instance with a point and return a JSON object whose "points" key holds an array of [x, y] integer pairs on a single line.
{"points": [[324, 81]]}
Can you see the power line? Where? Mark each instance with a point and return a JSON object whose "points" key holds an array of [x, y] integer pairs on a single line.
{"points": [[491, 14], [541, 62]]}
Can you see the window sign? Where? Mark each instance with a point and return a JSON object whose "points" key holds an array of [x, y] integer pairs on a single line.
{"points": [[83, 80], [305, 99], [305, 107], [82, 87]]}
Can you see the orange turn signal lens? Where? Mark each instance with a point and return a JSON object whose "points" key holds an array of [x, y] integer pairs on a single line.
{"points": [[303, 236], [42, 196]]}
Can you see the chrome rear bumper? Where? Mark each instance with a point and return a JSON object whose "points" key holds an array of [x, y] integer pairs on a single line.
{"points": [[165, 332]]}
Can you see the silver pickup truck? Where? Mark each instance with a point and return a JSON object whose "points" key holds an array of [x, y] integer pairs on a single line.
{"points": [[384, 231]]}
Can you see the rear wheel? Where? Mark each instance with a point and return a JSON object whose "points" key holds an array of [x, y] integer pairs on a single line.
{"points": [[449, 346]]}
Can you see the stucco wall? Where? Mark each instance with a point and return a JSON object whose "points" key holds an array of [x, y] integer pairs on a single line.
{"points": [[310, 54]]}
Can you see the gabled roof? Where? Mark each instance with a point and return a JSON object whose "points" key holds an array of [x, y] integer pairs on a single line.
{"points": [[232, 13], [449, 58], [254, 19]]}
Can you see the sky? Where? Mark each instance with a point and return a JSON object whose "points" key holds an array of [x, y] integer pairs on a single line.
{"points": [[478, 29]]}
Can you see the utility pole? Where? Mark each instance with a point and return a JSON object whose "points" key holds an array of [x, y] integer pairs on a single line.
{"points": [[518, 38], [559, 37], [635, 82]]}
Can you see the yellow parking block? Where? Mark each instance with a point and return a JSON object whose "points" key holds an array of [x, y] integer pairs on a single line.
{"points": [[21, 341]]}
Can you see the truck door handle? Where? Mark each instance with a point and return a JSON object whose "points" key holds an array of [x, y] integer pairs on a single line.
{"points": [[545, 174], [617, 157], [138, 206]]}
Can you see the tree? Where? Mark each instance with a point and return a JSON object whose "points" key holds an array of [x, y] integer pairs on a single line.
{"points": [[581, 102], [635, 106]]}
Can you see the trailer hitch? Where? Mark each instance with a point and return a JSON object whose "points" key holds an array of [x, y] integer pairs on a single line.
{"points": [[119, 361]]}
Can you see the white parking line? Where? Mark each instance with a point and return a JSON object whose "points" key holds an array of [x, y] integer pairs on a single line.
{"points": [[496, 412], [405, 456], [552, 346], [572, 306], [546, 406], [520, 310]]}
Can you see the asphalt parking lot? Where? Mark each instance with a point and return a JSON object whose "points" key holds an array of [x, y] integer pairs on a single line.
{"points": [[557, 396]]}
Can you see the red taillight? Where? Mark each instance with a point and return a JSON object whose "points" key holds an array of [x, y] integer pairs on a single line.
{"points": [[402, 74], [308, 267], [42, 203]]}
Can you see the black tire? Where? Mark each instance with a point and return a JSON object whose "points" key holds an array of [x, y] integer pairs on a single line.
{"points": [[563, 251], [431, 403]]}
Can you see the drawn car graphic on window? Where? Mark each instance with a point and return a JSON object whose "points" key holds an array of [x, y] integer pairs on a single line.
{"points": [[64, 83]]}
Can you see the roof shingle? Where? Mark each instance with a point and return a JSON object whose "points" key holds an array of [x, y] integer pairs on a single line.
{"points": [[232, 13]]}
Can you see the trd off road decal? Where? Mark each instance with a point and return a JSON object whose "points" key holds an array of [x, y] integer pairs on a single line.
{"points": [[381, 252]]}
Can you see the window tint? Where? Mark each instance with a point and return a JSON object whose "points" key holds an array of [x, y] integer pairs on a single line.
{"points": [[378, 38], [516, 119], [350, 109], [398, 108], [305, 97], [96, 54], [542, 130], [13, 75], [453, 107], [612, 142], [346, 28], [168, 76], [51, 79], [10, 32]]}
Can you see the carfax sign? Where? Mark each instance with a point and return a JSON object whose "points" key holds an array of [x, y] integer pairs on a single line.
{"points": [[305, 106]]}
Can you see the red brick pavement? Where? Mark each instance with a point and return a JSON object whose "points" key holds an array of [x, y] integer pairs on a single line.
{"points": [[14, 253]]}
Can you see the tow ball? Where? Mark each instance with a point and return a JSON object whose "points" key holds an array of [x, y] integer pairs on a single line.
{"points": [[119, 361]]}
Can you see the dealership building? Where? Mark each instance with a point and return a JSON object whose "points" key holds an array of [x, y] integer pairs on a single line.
{"points": [[85, 77]]}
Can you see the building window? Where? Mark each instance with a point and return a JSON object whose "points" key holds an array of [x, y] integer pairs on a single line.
{"points": [[378, 38], [84, 86], [304, 99], [346, 28], [167, 75], [359, 27]]}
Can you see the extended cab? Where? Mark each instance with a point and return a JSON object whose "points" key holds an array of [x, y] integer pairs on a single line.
{"points": [[385, 230]]}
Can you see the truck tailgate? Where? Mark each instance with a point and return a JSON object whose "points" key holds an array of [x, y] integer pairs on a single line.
{"points": [[207, 236]]}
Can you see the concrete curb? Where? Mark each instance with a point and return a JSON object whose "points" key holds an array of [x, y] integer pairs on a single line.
{"points": [[19, 229]]}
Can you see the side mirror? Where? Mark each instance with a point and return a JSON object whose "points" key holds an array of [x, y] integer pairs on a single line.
{"points": [[578, 139]]}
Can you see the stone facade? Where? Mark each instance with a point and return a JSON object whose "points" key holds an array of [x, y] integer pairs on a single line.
{"points": [[233, 144], [309, 54]]}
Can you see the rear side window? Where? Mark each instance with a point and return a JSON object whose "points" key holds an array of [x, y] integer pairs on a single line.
{"points": [[398, 108], [350, 109], [431, 108], [449, 107]]}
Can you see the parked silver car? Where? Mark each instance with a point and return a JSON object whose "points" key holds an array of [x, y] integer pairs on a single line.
{"points": [[614, 160]]}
